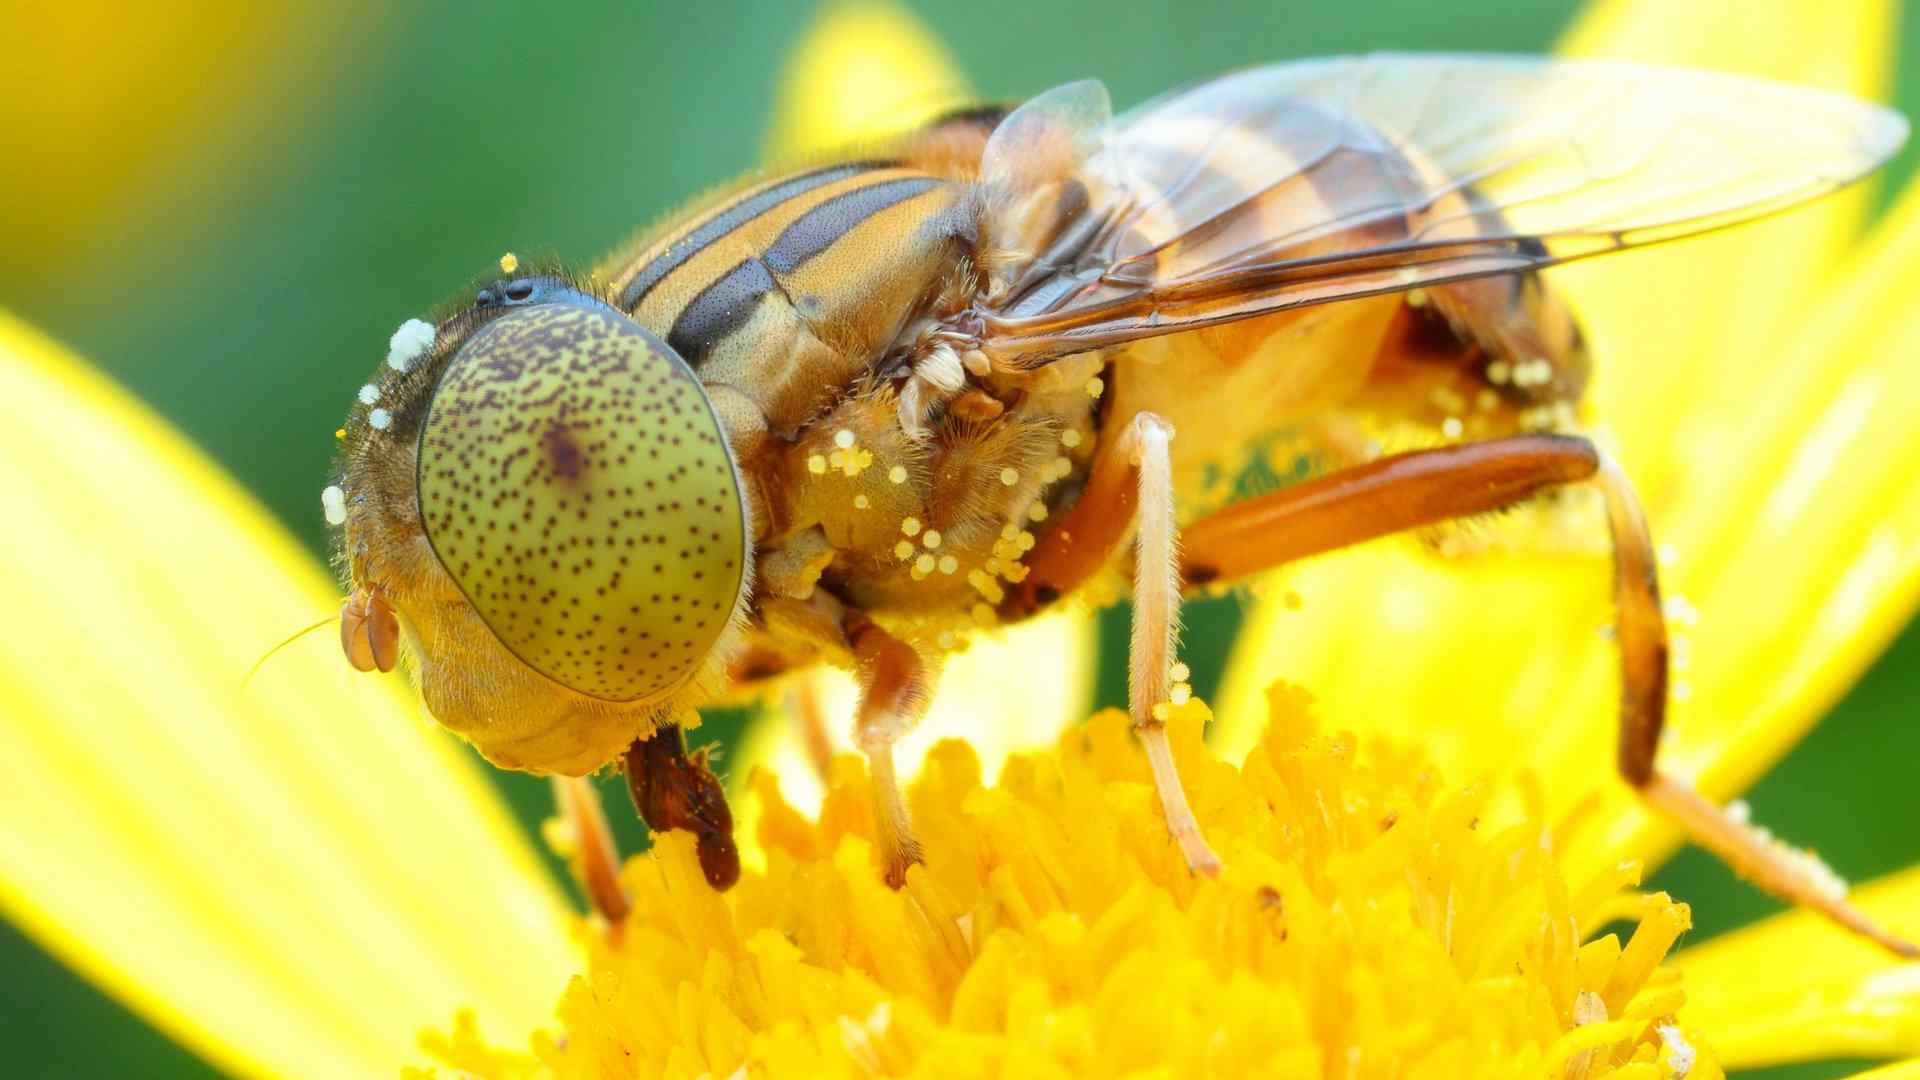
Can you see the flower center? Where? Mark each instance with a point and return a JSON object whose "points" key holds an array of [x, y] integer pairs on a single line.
{"points": [[1372, 919]]}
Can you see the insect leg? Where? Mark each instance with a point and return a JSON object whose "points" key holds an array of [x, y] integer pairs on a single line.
{"points": [[1156, 626], [593, 857], [803, 704], [1409, 490], [1756, 856], [893, 693], [1131, 485]]}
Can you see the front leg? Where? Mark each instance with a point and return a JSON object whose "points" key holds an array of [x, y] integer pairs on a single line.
{"points": [[893, 695]]}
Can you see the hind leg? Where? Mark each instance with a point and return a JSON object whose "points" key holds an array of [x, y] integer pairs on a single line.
{"points": [[1410, 490]]}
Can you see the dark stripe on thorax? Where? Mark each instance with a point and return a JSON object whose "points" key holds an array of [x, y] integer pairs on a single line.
{"points": [[730, 219], [719, 310], [819, 228]]}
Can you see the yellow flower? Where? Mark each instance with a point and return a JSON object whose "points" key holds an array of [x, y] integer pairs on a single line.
{"points": [[210, 854], [1370, 921]]}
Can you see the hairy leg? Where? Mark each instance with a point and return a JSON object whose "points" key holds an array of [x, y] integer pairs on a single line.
{"points": [[1420, 488], [1130, 488], [893, 693]]}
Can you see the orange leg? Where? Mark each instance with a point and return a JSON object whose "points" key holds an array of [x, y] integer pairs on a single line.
{"points": [[1420, 488], [1131, 486], [893, 694], [589, 846], [803, 705]]}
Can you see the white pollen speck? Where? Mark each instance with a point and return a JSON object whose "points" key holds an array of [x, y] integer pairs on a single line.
{"points": [[334, 502], [380, 419], [369, 394], [1680, 1052], [1009, 476], [1452, 428], [409, 343], [897, 474], [843, 439]]}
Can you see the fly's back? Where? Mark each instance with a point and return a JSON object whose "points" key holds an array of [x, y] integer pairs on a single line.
{"points": [[787, 289]]}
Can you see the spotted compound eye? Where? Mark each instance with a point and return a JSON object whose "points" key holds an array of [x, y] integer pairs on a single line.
{"points": [[577, 486]]}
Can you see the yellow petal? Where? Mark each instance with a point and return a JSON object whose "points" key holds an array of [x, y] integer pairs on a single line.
{"points": [[1790, 989], [1500, 660], [1905, 1070], [1010, 690], [862, 71], [291, 879]]}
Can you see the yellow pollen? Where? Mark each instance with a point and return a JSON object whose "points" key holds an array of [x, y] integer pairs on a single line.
{"points": [[843, 439], [983, 615], [1037, 512], [1025, 540], [904, 549], [910, 525], [948, 564], [897, 474], [816, 465], [1180, 694], [1070, 438], [339, 433], [509, 263], [932, 539], [860, 502], [1009, 476], [1096, 386], [1062, 466], [1366, 887], [924, 564], [1009, 531], [986, 586], [1179, 672]]}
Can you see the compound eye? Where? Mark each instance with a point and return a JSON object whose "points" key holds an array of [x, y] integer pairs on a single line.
{"points": [[519, 291], [577, 486]]}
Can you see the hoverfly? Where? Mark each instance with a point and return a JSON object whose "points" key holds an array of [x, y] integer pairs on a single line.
{"points": [[844, 413]]}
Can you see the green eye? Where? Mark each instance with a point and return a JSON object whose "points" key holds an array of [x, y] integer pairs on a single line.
{"points": [[577, 486]]}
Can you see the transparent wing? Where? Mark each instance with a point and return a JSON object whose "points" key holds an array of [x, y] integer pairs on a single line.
{"points": [[1322, 180]]}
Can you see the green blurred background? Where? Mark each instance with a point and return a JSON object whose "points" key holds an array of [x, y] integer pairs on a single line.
{"points": [[229, 206]]}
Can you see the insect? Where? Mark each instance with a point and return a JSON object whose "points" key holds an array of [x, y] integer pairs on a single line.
{"points": [[850, 414]]}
